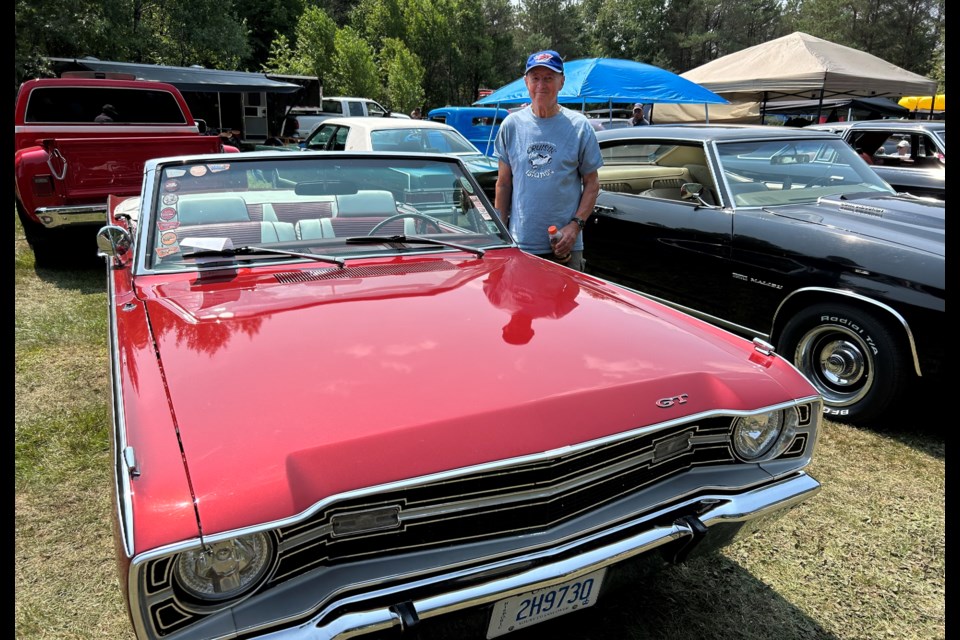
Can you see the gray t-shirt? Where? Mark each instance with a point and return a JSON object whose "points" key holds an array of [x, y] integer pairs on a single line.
{"points": [[547, 157]]}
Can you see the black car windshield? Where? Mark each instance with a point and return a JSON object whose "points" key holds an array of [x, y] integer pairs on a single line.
{"points": [[777, 172], [308, 206]]}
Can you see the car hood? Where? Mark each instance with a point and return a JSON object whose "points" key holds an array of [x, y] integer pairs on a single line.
{"points": [[480, 164], [912, 222], [290, 386]]}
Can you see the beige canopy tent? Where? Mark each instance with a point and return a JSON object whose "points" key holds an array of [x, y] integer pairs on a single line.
{"points": [[795, 67]]}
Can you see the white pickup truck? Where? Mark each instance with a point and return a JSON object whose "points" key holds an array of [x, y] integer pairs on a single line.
{"points": [[306, 119]]}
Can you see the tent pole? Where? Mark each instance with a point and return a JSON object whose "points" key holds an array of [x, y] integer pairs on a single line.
{"points": [[496, 114], [763, 109], [819, 106], [219, 116], [933, 103], [706, 113]]}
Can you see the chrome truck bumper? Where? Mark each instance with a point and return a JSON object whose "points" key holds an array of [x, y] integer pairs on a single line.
{"points": [[51, 217], [729, 512]]}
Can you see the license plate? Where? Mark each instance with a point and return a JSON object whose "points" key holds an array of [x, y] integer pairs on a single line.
{"points": [[530, 608]]}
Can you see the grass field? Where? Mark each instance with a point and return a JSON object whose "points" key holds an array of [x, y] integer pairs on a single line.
{"points": [[862, 560]]}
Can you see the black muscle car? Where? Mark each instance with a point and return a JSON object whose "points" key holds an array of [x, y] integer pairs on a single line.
{"points": [[908, 154], [782, 234]]}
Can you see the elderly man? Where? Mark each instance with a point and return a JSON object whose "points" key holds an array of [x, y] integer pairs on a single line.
{"points": [[548, 162]]}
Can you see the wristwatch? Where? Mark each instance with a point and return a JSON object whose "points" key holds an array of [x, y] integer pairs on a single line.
{"points": [[580, 221]]}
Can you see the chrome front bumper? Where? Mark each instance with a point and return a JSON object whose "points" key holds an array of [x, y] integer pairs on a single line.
{"points": [[52, 217], [759, 504]]}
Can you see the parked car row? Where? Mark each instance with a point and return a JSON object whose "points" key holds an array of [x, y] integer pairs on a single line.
{"points": [[345, 404]]}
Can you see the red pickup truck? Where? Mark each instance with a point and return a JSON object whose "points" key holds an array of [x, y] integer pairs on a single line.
{"points": [[79, 140]]}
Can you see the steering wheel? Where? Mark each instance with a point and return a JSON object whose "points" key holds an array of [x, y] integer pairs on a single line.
{"points": [[415, 216]]}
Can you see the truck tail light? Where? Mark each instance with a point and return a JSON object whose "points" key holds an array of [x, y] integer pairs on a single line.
{"points": [[43, 185]]}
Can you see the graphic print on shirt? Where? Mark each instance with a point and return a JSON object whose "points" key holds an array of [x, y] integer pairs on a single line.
{"points": [[540, 155]]}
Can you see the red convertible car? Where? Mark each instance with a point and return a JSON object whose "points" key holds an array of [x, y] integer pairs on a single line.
{"points": [[345, 403]]}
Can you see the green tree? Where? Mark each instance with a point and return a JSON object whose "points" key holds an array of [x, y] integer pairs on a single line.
{"points": [[549, 24], [284, 59], [353, 68], [200, 32], [265, 20], [403, 74], [499, 19], [316, 42]]}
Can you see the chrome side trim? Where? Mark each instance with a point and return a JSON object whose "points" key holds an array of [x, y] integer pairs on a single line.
{"points": [[123, 500]]}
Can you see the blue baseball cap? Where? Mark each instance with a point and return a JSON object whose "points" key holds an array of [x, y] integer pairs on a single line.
{"points": [[549, 59]]}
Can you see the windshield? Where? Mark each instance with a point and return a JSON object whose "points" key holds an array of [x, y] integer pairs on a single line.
{"points": [[255, 208], [776, 172], [410, 139]]}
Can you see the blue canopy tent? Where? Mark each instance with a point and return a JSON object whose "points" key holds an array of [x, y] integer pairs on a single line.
{"points": [[609, 80]]}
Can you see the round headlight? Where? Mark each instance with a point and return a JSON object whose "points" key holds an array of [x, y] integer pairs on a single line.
{"points": [[225, 569], [764, 435]]}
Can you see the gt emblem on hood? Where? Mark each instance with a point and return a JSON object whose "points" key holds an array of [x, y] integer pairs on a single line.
{"points": [[664, 403]]}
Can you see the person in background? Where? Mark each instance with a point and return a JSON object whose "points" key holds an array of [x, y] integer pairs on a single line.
{"points": [[107, 114], [903, 151], [415, 114], [638, 118], [548, 160]]}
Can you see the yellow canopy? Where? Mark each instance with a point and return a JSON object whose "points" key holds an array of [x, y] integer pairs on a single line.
{"points": [[922, 103]]}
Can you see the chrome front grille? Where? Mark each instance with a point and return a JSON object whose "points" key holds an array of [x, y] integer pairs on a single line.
{"points": [[524, 498]]}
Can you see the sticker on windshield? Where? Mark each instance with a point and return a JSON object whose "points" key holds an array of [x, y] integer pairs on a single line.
{"points": [[171, 185], [163, 252], [198, 170]]}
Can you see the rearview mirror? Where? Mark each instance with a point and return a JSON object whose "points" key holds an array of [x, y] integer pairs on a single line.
{"points": [[790, 158]]}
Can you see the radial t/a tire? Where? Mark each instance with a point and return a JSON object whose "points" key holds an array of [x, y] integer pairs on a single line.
{"points": [[855, 362]]}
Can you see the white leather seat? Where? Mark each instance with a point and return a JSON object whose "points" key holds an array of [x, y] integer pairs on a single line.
{"points": [[211, 210], [373, 202]]}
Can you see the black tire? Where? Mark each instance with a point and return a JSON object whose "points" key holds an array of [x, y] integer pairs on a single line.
{"points": [[855, 362]]}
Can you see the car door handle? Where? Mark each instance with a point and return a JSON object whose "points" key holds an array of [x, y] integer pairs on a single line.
{"points": [[599, 208]]}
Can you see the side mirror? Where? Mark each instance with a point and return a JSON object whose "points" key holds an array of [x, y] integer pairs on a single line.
{"points": [[201, 126], [691, 190], [694, 191], [113, 242]]}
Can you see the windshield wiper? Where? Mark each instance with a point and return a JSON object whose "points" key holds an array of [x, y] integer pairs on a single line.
{"points": [[230, 250], [414, 239]]}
